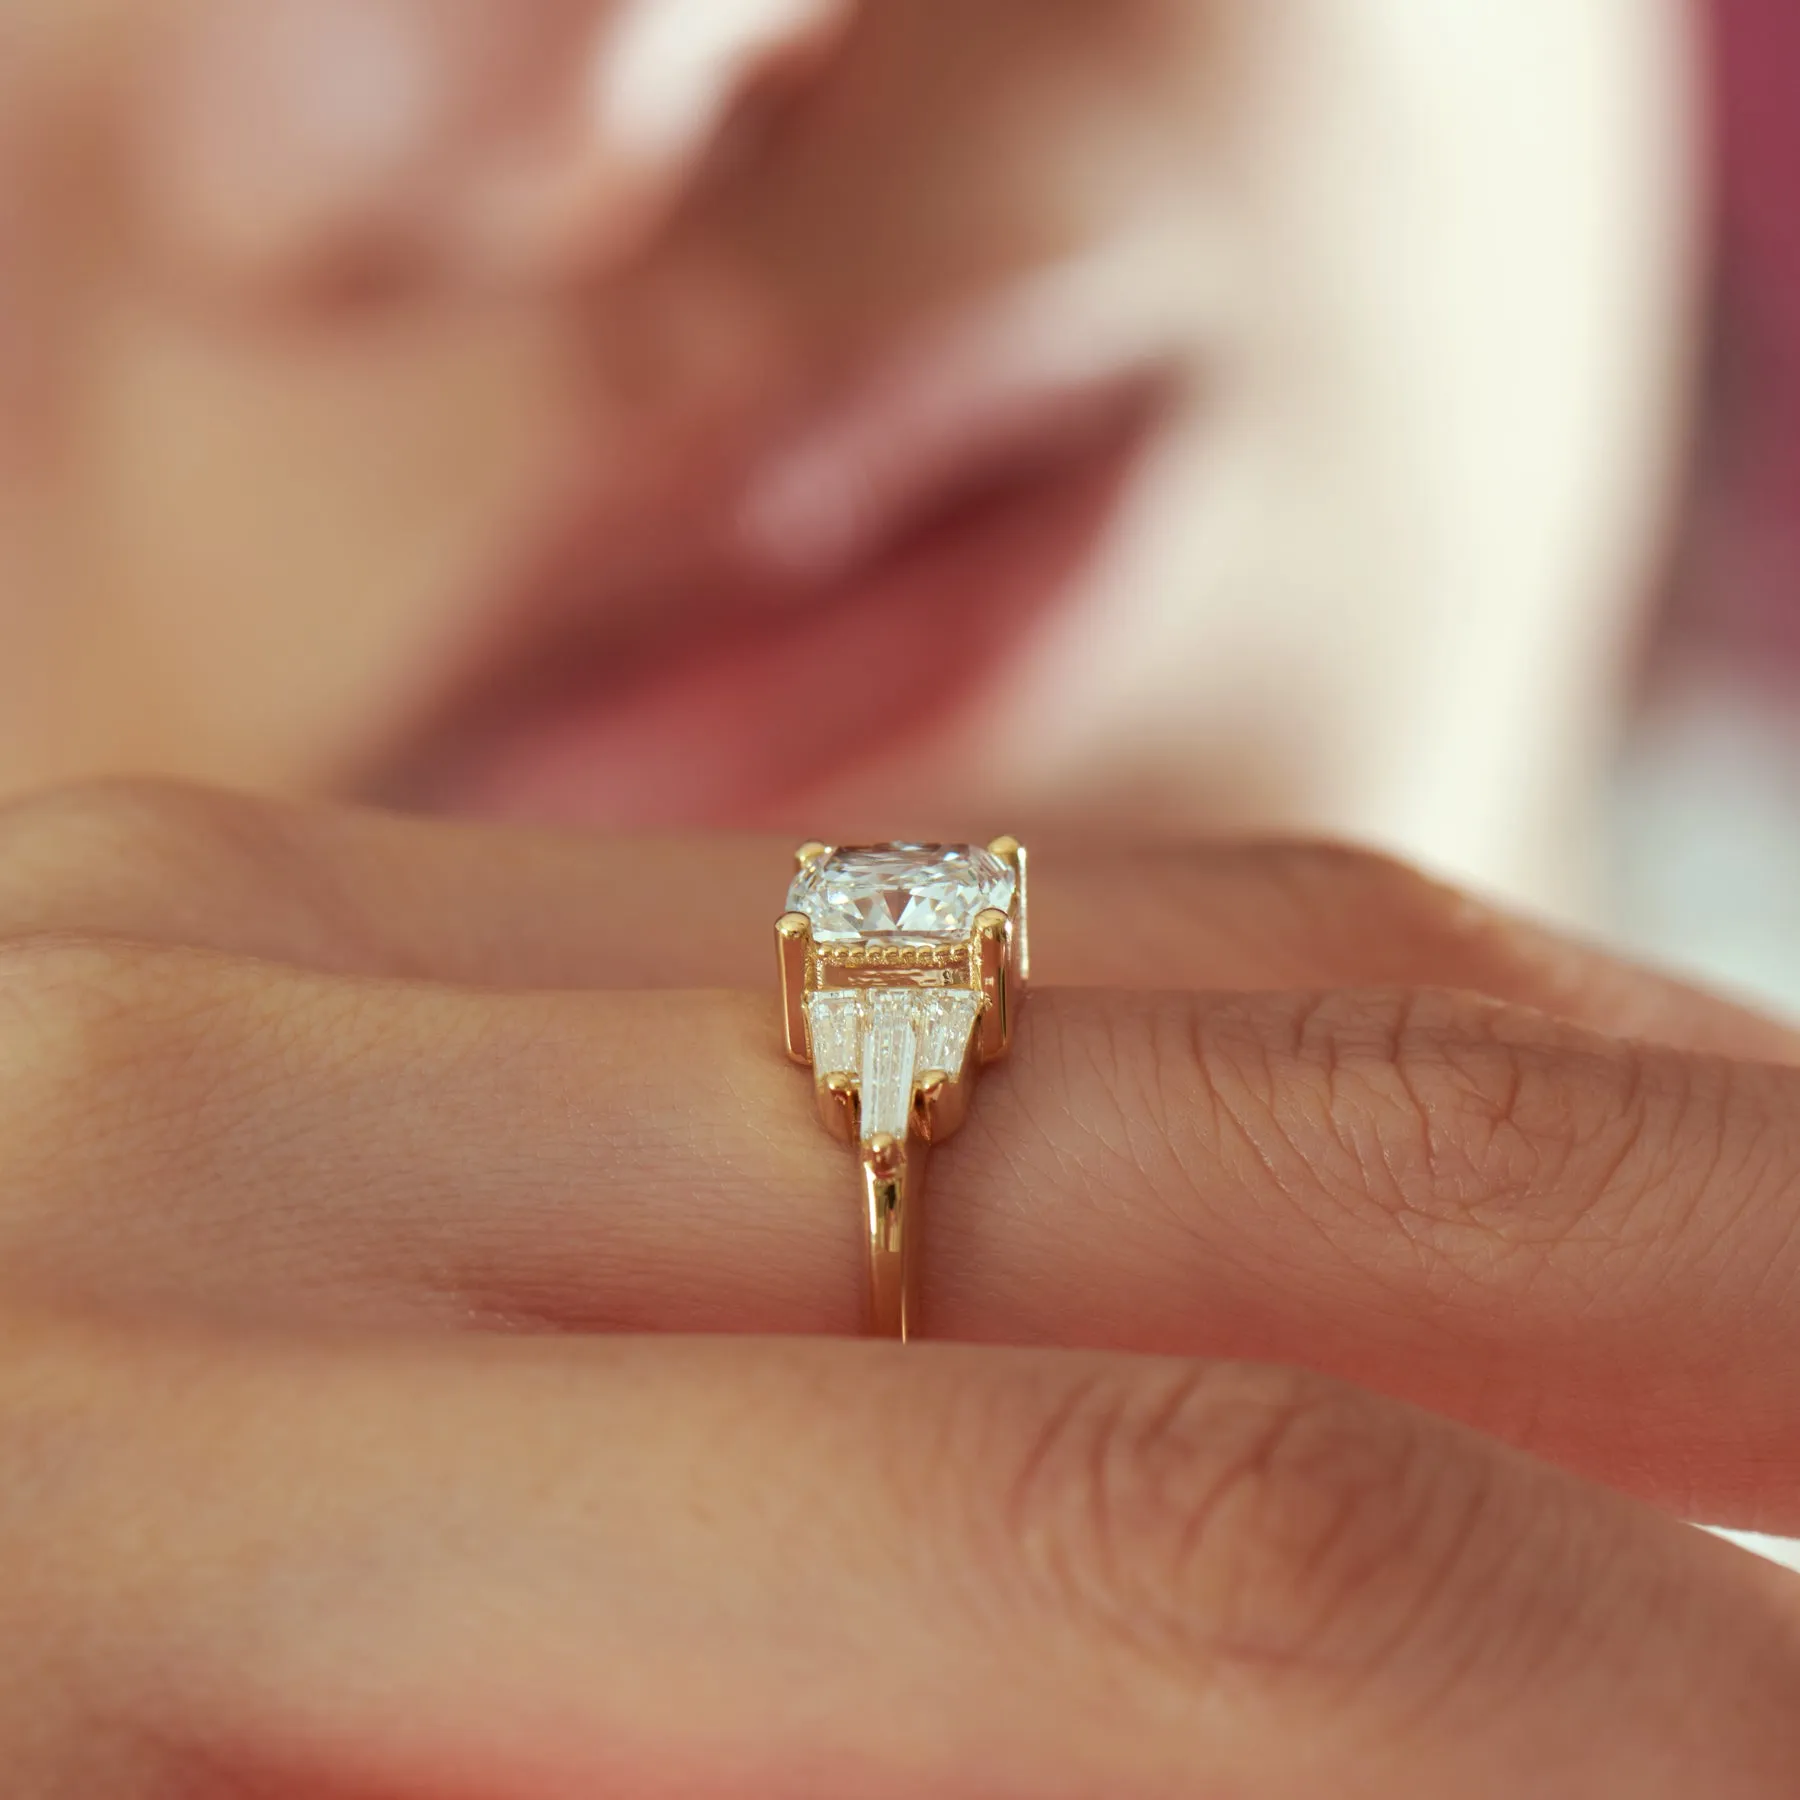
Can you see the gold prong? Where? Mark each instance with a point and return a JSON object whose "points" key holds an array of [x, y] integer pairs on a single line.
{"points": [[793, 944], [810, 853], [1012, 852], [886, 1154], [994, 958], [940, 1105], [840, 1107]]}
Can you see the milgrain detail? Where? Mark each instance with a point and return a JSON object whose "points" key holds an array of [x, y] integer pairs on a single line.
{"points": [[892, 956], [854, 966]]}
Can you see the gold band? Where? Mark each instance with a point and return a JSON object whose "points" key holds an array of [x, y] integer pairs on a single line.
{"points": [[893, 1171]]}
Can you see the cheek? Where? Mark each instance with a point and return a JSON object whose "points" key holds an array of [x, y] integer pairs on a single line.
{"points": [[52, 206], [292, 517], [951, 148], [54, 219]]}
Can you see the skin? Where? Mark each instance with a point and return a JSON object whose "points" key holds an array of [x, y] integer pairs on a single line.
{"points": [[425, 1300], [423, 1377], [305, 343]]}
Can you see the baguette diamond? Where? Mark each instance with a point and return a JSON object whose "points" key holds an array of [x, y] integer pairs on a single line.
{"points": [[888, 1038], [890, 1061], [944, 1021], [835, 1021]]}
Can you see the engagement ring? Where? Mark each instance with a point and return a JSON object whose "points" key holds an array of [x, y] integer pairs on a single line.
{"points": [[902, 970]]}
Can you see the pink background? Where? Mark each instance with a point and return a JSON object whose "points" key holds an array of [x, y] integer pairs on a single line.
{"points": [[1743, 587]]}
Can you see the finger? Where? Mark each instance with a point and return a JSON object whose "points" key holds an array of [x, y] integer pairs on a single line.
{"points": [[354, 892], [1583, 1245], [1312, 916], [730, 1569]]}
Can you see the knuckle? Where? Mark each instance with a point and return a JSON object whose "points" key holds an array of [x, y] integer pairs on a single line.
{"points": [[68, 1012], [1227, 1521], [1493, 1106], [1440, 1105], [1484, 1155], [1350, 885], [1340, 865], [1520, 1124], [67, 855], [56, 989], [105, 1046], [1420, 927]]}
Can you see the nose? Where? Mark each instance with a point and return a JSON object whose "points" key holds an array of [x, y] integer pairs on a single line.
{"points": [[288, 138]]}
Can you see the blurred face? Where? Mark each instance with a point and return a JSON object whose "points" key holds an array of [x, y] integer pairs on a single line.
{"points": [[859, 417]]}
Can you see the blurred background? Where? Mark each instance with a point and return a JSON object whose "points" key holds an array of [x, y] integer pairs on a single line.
{"points": [[1708, 798], [874, 417]]}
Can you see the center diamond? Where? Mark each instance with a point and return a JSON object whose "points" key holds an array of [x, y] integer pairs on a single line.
{"points": [[901, 894]]}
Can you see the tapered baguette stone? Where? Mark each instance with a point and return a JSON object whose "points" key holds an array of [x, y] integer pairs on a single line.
{"points": [[888, 1038], [835, 1021], [890, 1061], [944, 1020]]}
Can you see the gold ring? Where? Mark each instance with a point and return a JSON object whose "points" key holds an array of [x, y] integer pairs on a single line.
{"points": [[903, 967]]}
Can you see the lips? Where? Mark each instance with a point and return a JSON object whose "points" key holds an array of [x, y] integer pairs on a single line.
{"points": [[832, 591]]}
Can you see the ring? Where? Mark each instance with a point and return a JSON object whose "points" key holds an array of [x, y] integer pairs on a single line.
{"points": [[903, 967]]}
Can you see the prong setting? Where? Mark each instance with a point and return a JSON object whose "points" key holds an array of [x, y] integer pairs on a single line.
{"points": [[1011, 852], [840, 1107], [793, 945], [941, 1104], [993, 960]]}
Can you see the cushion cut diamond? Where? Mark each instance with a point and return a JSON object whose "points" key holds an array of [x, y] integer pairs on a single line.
{"points": [[901, 894]]}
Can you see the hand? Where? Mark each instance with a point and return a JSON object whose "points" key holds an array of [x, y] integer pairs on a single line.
{"points": [[327, 1143]]}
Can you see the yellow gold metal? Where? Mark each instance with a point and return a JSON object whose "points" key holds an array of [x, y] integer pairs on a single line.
{"points": [[993, 961], [994, 954], [889, 965], [1012, 852], [941, 1104], [840, 1107], [893, 1173], [793, 944]]}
